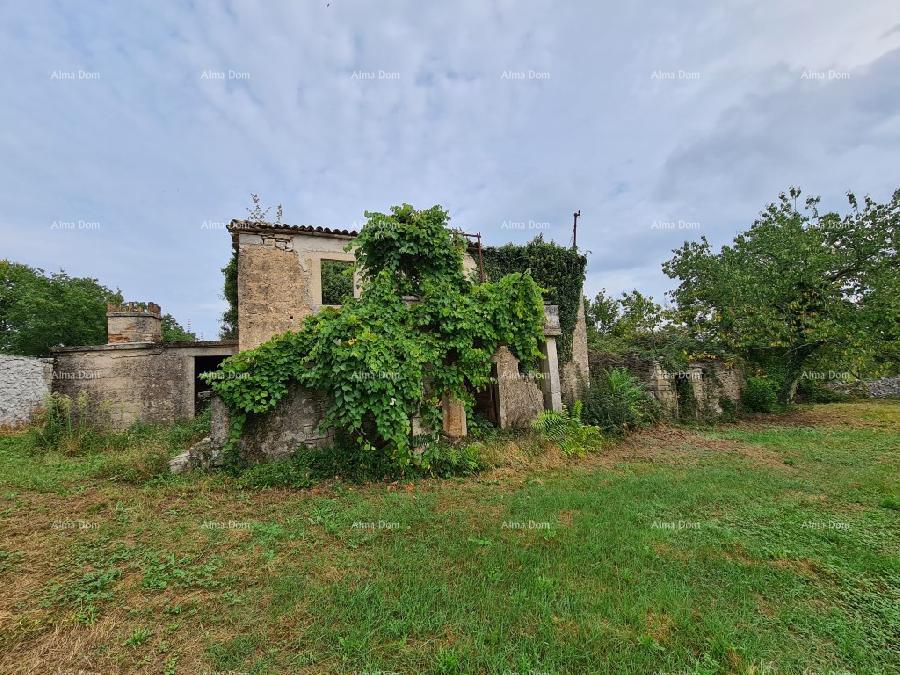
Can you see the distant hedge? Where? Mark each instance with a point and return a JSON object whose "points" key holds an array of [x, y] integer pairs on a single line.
{"points": [[560, 271]]}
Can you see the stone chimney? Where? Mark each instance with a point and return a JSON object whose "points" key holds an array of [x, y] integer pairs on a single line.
{"points": [[133, 322]]}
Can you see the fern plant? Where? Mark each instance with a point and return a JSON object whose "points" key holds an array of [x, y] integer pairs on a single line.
{"points": [[566, 430]]}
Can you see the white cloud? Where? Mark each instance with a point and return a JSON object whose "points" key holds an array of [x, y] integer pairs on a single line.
{"points": [[152, 149]]}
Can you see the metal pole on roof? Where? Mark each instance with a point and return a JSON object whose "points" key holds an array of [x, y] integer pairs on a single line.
{"points": [[575, 217], [480, 260]]}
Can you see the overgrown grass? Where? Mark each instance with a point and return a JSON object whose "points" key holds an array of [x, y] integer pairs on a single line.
{"points": [[755, 547]]}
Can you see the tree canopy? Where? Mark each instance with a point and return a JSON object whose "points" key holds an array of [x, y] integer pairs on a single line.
{"points": [[796, 284], [40, 311]]}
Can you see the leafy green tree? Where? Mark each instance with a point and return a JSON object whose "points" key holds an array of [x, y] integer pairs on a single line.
{"points": [[337, 281], [38, 311], [796, 284], [172, 331], [631, 314]]}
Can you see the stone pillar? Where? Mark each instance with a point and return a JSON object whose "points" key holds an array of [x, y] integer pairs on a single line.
{"points": [[550, 364], [454, 417], [550, 381]]}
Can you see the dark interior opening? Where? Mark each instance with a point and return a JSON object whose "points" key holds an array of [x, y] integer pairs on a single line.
{"points": [[487, 401], [202, 390]]}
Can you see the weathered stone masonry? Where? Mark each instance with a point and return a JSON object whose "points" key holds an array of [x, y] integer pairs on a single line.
{"points": [[24, 384], [137, 377]]}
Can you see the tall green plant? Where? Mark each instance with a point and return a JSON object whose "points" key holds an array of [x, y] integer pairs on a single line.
{"points": [[419, 330], [795, 285], [559, 270]]}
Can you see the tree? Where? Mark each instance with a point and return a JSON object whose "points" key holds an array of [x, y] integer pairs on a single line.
{"points": [[38, 311], [796, 284], [627, 316], [172, 331], [256, 213]]}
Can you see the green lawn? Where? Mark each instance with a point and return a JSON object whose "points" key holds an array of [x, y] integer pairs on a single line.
{"points": [[767, 546]]}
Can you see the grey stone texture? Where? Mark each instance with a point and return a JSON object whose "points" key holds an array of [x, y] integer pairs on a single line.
{"points": [[131, 382], [575, 375], [884, 387], [25, 382], [710, 381]]}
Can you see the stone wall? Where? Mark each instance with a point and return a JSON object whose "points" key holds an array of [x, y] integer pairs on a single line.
{"points": [[280, 279], [575, 375], [713, 381], [125, 383], [884, 387], [277, 434], [24, 383], [521, 398], [708, 382]]}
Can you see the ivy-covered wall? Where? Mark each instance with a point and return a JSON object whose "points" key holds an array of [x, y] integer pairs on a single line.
{"points": [[560, 271]]}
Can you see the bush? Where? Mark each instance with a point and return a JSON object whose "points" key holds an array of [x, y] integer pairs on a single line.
{"points": [[72, 427], [760, 395], [566, 430], [813, 391], [616, 402], [67, 426]]}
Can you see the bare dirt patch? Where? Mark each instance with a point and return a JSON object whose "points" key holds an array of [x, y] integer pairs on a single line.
{"points": [[680, 446], [859, 415]]}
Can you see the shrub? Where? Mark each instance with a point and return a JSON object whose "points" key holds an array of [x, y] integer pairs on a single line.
{"points": [[446, 459], [139, 453], [760, 395], [66, 425], [616, 402], [566, 430], [813, 391]]}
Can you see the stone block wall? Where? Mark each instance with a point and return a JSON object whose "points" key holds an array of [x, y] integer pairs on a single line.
{"points": [[126, 383], [277, 434], [521, 398], [575, 375], [709, 381], [24, 383]]}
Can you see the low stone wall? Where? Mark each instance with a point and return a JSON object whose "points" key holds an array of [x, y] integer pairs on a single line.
{"points": [[884, 387], [130, 382], [24, 384], [710, 381]]}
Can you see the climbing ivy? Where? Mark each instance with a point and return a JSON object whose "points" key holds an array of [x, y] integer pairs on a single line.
{"points": [[560, 271], [418, 330]]}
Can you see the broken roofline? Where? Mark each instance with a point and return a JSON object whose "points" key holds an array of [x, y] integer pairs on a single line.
{"points": [[237, 226]]}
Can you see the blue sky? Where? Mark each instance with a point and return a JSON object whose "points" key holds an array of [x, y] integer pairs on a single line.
{"points": [[132, 131]]}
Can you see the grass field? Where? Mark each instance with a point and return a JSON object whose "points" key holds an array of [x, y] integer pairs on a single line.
{"points": [[770, 545]]}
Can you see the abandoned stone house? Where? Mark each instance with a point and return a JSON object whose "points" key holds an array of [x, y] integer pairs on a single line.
{"points": [[280, 282], [138, 377]]}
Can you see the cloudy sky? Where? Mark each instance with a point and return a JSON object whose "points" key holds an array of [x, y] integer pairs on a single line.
{"points": [[131, 132]]}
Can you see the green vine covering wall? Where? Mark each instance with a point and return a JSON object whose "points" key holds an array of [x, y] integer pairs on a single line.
{"points": [[418, 329], [560, 271]]}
